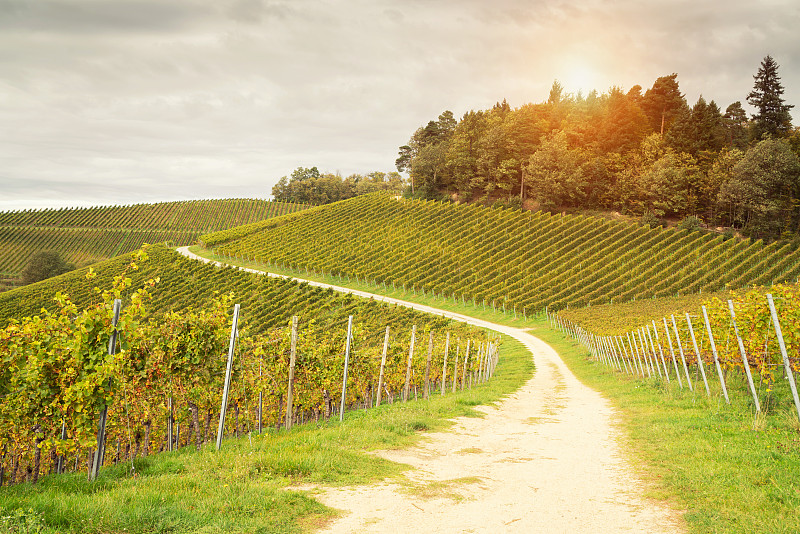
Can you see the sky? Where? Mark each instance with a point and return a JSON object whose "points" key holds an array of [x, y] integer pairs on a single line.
{"points": [[124, 101]]}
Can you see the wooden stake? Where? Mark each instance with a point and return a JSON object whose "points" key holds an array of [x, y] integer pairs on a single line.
{"points": [[408, 365], [287, 421], [428, 366], [383, 365]]}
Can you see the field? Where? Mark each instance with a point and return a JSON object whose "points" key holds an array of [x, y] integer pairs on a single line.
{"points": [[86, 235]]}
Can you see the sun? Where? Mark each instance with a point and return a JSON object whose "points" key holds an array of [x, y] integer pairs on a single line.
{"points": [[579, 77]]}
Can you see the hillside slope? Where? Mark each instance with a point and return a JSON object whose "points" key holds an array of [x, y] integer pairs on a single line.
{"points": [[505, 258], [87, 235]]}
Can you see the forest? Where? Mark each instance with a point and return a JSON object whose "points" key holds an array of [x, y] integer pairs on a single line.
{"points": [[643, 153]]}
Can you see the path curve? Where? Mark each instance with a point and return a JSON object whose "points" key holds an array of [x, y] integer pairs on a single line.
{"points": [[544, 459]]}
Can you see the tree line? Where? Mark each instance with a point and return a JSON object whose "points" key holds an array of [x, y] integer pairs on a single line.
{"points": [[309, 186], [642, 152]]}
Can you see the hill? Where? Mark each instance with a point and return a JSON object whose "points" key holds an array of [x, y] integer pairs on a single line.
{"points": [[86, 235], [505, 258]]}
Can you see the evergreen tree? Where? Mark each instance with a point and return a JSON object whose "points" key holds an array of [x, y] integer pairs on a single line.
{"points": [[773, 116]]}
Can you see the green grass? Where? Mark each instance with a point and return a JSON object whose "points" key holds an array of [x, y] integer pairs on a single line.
{"points": [[732, 472], [242, 488]]}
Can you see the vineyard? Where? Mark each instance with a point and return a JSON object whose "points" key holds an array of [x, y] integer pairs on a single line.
{"points": [[163, 380], [745, 343], [88, 235], [507, 259]]}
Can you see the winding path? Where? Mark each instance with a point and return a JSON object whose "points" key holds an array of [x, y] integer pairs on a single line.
{"points": [[544, 459]]}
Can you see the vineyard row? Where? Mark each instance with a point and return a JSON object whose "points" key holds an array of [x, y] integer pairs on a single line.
{"points": [[519, 261], [748, 344]]}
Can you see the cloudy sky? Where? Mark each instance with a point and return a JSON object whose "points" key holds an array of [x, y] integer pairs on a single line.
{"points": [[124, 101]]}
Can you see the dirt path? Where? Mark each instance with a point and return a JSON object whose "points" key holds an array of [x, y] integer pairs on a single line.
{"points": [[545, 459]]}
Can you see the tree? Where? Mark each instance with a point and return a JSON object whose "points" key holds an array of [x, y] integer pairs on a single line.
{"points": [[45, 264], [762, 193], [735, 123], [663, 102], [424, 155], [773, 116], [554, 175]]}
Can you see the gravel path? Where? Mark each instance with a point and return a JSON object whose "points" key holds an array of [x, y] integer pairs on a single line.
{"points": [[544, 459]]}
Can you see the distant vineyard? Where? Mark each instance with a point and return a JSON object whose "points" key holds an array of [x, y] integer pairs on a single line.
{"points": [[174, 330], [87, 235], [514, 259]]}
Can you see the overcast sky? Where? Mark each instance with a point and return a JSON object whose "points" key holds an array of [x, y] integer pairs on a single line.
{"points": [[125, 101]]}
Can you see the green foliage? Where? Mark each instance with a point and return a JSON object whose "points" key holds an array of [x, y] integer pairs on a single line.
{"points": [[691, 223], [308, 186], [651, 219], [773, 118], [44, 264]]}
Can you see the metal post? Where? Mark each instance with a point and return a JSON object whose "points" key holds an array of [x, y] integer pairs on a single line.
{"points": [[290, 387], [787, 366], [103, 419], [346, 363], [407, 386], [464, 372], [716, 356], [680, 351], [428, 366], [660, 350], [444, 363], [744, 358], [455, 368], [383, 365], [697, 352], [226, 388], [672, 353]]}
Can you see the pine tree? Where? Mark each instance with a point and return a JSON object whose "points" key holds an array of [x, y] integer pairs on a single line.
{"points": [[773, 116]]}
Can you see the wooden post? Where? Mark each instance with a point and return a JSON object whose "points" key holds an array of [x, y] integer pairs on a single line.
{"points": [[444, 363], [226, 388], [672, 353], [697, 352], [103, 419], [680, 351], [428, 366], [346, 364], [716, 356], [744, 358], [408, 365], [781, 344], [383, 365], [290, 386]]}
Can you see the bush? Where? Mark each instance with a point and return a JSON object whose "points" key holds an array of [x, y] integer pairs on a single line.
{"points": [[45, 264], [651, 219], [691, 223]]}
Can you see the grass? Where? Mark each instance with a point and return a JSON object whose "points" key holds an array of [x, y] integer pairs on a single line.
{"points": [[732, 471], [243, 487]]}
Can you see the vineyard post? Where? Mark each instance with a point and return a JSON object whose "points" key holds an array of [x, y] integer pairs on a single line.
{"points": [[346, 363], [260, 395], [608, 355], [428, 366], [646, 330], [639, 368], [464, 372], [455, 368], [716, 356], [444, 363], [744, 358], [628, 366], [613, 351], [101, 424], [680, 351], [60, 464], [290, 386], [224, 404], [408, 365], [3, 465], [383, 366], [672, 352], [646, 352], [170, 422], [660, 350], [781, 344], [697, 352]]}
